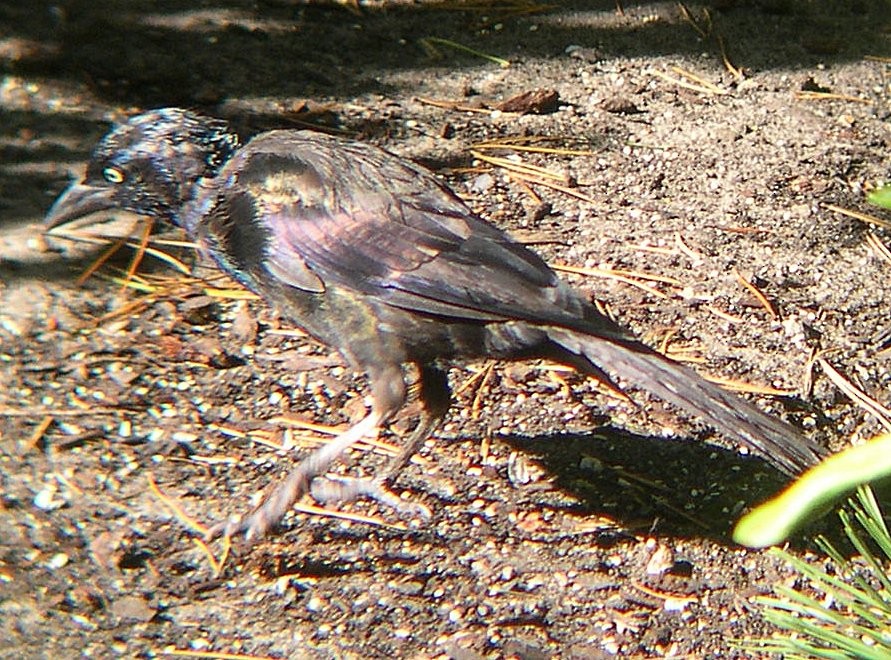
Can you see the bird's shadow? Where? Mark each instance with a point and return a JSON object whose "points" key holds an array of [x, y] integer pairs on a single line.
{"points": [[683, 488]]}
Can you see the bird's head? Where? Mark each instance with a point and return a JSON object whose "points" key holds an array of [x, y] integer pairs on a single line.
{"points": [[149, 166]]}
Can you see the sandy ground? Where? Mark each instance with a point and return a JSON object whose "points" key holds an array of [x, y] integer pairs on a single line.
{"points": [[565, 523]]}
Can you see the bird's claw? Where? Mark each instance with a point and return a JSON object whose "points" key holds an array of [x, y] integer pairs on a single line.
{"points": [[252, 526], [326, 489], [346, 489]]}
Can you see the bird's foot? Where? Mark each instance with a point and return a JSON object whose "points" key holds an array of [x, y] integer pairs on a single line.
{"points": [[282, 498], [253, 526], [232, 526], [347, 489], [271, 510]]}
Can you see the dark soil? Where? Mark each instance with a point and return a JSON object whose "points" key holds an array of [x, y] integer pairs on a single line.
{"points": [[566, 523]]}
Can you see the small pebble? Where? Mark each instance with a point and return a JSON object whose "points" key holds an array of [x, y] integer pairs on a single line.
{"points": [[57, 561], [46, 500]]}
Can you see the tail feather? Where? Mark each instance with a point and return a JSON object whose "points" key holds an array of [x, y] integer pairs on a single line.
{"points": [[778, 442]]}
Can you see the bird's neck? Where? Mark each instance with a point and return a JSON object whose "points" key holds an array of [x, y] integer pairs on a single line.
{"points": [[199, 163]]}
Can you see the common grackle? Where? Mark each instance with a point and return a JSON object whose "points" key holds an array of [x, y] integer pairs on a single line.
{"points": [[374, 256]]}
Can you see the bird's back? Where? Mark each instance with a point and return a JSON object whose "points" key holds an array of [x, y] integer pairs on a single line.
{"points": [[346, 228]]}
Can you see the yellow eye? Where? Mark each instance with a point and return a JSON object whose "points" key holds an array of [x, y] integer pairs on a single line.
{"points": [[113, 175]]}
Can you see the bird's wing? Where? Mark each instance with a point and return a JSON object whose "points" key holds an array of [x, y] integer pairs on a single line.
{"points": [[332, 212]]}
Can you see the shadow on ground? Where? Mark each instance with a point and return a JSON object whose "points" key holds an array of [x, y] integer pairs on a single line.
{"points": [[260, 62]]}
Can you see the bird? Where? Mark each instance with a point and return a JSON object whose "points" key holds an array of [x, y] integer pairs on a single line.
{"points": [[374, 256]]}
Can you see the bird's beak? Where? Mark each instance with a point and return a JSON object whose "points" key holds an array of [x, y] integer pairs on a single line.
{"points": [[77, 201]]}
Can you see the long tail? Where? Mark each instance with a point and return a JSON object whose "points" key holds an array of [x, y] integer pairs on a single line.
{"points": [[778, 442]]}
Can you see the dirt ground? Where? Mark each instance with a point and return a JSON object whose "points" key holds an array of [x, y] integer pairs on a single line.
{"points": [[566, 523]]}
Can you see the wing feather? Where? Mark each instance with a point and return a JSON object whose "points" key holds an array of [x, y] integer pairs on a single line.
{"points": [[359, 217]]}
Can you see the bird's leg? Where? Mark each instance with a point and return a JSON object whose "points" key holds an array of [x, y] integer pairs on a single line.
{"points": [[388, 394], [333, 488], [435, 397], [282, 498]]}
